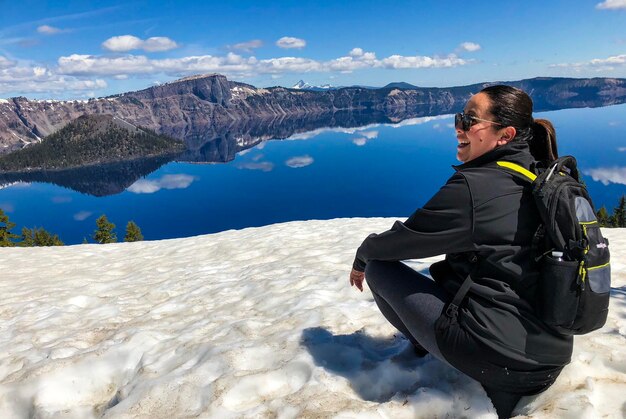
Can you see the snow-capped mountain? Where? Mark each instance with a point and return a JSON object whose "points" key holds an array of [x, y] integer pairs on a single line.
{"points": [[302, 85]]}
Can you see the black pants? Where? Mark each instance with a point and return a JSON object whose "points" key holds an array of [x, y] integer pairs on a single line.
{"points": [[412, 303]]}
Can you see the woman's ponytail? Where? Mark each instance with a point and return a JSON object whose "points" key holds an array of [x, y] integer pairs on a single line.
{"points": [[543, 143]]}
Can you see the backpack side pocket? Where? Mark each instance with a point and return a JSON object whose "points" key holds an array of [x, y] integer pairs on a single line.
{"points": [[559, 292]]}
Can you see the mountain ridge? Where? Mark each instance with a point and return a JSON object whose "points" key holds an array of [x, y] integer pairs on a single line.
{"points": [[191, 107]]}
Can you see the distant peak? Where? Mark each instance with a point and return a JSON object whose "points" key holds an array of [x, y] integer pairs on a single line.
{"points": [[301, 85], [306, 86], [400, 85]]}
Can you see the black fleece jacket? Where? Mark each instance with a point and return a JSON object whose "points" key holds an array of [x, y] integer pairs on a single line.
{"points": [[482, 210]]}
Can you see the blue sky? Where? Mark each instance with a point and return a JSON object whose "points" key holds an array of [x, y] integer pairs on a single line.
{"points": [[80, 49]]}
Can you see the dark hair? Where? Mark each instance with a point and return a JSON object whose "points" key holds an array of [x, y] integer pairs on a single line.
{"points": [[513, 107]]}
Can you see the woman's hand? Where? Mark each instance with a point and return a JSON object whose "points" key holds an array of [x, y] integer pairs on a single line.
{"points": [[356, 279]]}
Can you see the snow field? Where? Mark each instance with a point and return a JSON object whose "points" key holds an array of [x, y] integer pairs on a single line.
{"points": [[259, 322]]}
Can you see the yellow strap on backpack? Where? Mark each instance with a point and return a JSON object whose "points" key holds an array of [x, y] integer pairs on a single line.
{"points": [[519, 169]]}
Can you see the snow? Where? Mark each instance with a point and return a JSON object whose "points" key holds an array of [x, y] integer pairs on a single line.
{"points": [[4, 101], [301, 85], [259, 322]]}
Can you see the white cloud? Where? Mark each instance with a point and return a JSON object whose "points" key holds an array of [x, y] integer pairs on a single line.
{"points": [[179, 181], [621, 149], [354, 61], [419, 121], [61, 199], [5, 62], [289, 64], [48, 30], [122, 43], [299, 161], [418, 61], [76, 64], [356, 52], [613, 60], [370, 135], [159, 43], [71, 70], [364, 137], [82, 215], [33, 78], [85, 65], [291, 42], [264, 166], [599, 64], [126, 43], [612, 4], [469, 46], [248, 46], [608, 175]]}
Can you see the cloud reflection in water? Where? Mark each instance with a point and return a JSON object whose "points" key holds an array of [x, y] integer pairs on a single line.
{"points": [[179, 181]]}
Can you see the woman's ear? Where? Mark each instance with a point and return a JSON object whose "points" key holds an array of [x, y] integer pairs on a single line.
{"points": [[507, 134]]}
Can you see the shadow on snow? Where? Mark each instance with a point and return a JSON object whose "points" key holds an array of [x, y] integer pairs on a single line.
{"points": [[377, 368]]}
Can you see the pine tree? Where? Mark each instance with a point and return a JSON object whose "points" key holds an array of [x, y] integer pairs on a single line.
{"points": [[39, 237], [619, 213], [27, 238], [603, 217], [104, 233], [44, 238], [133, 232], [6, 236]]}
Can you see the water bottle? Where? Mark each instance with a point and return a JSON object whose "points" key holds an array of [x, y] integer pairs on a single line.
{"points": [[558, 256]]}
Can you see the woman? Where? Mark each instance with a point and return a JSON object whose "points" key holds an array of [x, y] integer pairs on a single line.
{"points": [[483, 219]]}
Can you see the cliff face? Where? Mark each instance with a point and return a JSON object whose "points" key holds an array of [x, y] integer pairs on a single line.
{"points": [[190, 108]]}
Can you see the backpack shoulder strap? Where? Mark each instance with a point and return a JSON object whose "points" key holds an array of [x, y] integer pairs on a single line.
{"points": [[518, 170]]}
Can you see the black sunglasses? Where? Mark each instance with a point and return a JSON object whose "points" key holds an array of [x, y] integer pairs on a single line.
{"points": [[465, 121]]}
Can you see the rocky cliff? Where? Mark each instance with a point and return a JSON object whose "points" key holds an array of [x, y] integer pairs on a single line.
{"points": [[193, 108]]}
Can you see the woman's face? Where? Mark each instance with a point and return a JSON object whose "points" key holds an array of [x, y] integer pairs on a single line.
{"points": [[482, 136]]}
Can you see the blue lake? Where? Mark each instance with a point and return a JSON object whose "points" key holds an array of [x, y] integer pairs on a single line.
{"points": [[374, 170]]}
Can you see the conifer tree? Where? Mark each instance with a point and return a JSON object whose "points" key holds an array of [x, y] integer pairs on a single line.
{"points": [[104, 233], [27, 238], [619, 213], [603, 217], [44, 238], [133, 232], [39, 237], [6, 236]]}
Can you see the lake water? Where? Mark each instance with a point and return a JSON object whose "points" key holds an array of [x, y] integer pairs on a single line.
{"points": [[373, 170]]}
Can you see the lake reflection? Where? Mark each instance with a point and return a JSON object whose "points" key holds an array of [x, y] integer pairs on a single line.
{"points": [[351, 165]]}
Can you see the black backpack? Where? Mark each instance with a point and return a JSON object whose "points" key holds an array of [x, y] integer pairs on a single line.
{"points": [[572, 256]]}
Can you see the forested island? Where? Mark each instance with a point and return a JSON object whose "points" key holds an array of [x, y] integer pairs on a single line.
{"points": [[90, 140]]}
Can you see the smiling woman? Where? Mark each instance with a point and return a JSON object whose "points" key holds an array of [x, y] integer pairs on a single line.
{"points": [[483, 219]]}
